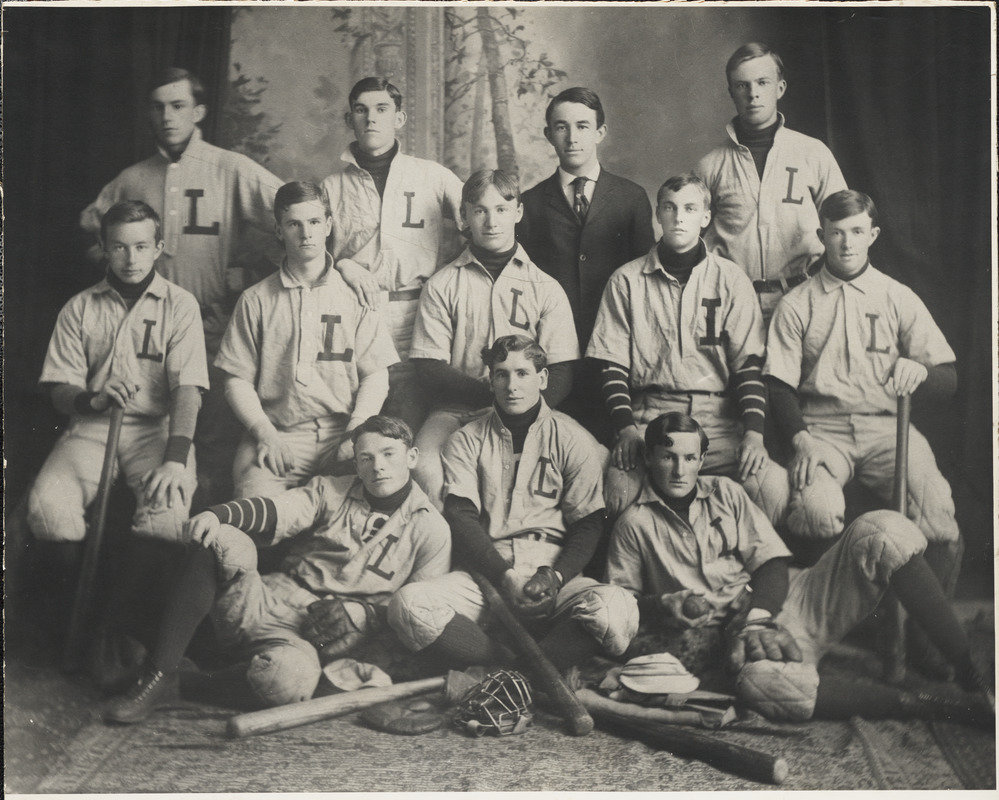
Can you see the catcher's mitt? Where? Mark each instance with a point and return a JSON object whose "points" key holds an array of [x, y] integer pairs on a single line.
{"points": [[501, 704]]}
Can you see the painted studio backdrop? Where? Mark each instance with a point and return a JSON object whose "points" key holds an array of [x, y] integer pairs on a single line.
{"points": [[901, 95]]}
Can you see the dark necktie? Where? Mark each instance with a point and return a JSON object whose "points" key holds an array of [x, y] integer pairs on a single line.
{"points": [[579, 202]]}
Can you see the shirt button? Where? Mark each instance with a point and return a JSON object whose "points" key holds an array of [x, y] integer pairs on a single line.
{"points": [[582, 256], [173, 212], [173, 188]]}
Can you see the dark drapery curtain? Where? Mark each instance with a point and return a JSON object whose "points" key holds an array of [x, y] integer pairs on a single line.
{"points": [[73, 110], [909, 121]]}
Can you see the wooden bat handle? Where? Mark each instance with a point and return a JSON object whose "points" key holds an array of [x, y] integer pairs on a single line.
{"points": [[320, 708], [552, 683], [683, 741], [83, 601], [900, 490]]}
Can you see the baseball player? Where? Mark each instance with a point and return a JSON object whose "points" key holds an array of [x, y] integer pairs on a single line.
{"points": [[205, 196], [843, 347], [680, 330], [353, 542], [395, 220], [581, 224], [526, 511], [305, 363], [490, 290], [766, 181], [692, 536], [133, 340]]}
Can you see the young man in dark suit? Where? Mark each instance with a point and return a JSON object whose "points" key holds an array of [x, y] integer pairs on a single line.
{"points": [[580, 225]]}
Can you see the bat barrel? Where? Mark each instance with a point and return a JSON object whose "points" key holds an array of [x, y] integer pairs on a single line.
{"points": [[687, 743]]}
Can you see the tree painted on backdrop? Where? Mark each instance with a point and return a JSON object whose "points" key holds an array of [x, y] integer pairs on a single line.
{"points": [[491, 59]]}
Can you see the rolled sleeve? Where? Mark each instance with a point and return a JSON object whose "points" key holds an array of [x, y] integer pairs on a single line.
{"points": [[784, 346], [461, 472]]}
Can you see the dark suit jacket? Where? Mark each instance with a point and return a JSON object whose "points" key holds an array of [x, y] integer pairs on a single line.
{"points": [[581, 257]]}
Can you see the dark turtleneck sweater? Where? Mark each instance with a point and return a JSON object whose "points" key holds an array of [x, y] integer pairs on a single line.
{"points": [[376, 166], [680, 265], [130, 292], [759, 142]]}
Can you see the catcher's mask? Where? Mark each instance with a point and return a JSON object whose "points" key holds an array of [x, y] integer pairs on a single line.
{"points": [[500, 704]]}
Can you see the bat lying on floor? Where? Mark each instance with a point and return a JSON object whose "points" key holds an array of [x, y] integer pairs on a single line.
{"points": [[338, 705], [631, 721]]}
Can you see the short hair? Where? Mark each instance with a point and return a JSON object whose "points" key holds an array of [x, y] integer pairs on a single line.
{"points": [[750, 51], [845, 204], [375, 84], [677, 182], [389, 427], [299, 192], [173, 75], [576, 94], [514, 343], [659, 430], [477, 183], [129, 211]]}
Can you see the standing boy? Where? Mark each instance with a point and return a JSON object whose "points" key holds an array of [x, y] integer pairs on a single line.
{"points": [[680, 330], [843, 347], [134, 340], [692, 535], [580, 225], [205, 196], [305, 363], [490, 290], [525, 506], [353, 541], [395, 219], [766, 181]]}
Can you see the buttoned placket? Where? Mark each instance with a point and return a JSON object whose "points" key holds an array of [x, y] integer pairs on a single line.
{"points": [[307, 315], [172, 206]]}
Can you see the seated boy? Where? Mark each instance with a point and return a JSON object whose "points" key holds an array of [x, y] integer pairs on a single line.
{"points": [[134, 340], [688, 535], [526, 512], [305, 362], [843, 347], [490, 290], [354, 541], [395, 221], [680, 330]]}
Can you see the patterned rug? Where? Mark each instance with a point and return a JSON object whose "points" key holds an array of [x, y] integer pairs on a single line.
{"points": [[185, 749]]}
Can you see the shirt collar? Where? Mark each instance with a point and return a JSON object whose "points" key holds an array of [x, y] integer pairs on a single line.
{"points": [[519, 258], [653, 264], [193, 144], [730, 128], [864, 282], [647, 495], [348, 156], [543, 414], [566, 179], [157, 287], [289, 281], [417, 500]]}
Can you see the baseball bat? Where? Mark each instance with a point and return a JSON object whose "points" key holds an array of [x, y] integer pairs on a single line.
{"points": [[551, 681], [894, 639], [294, 714], [83, 601], [626, 720], [900, 487]]}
